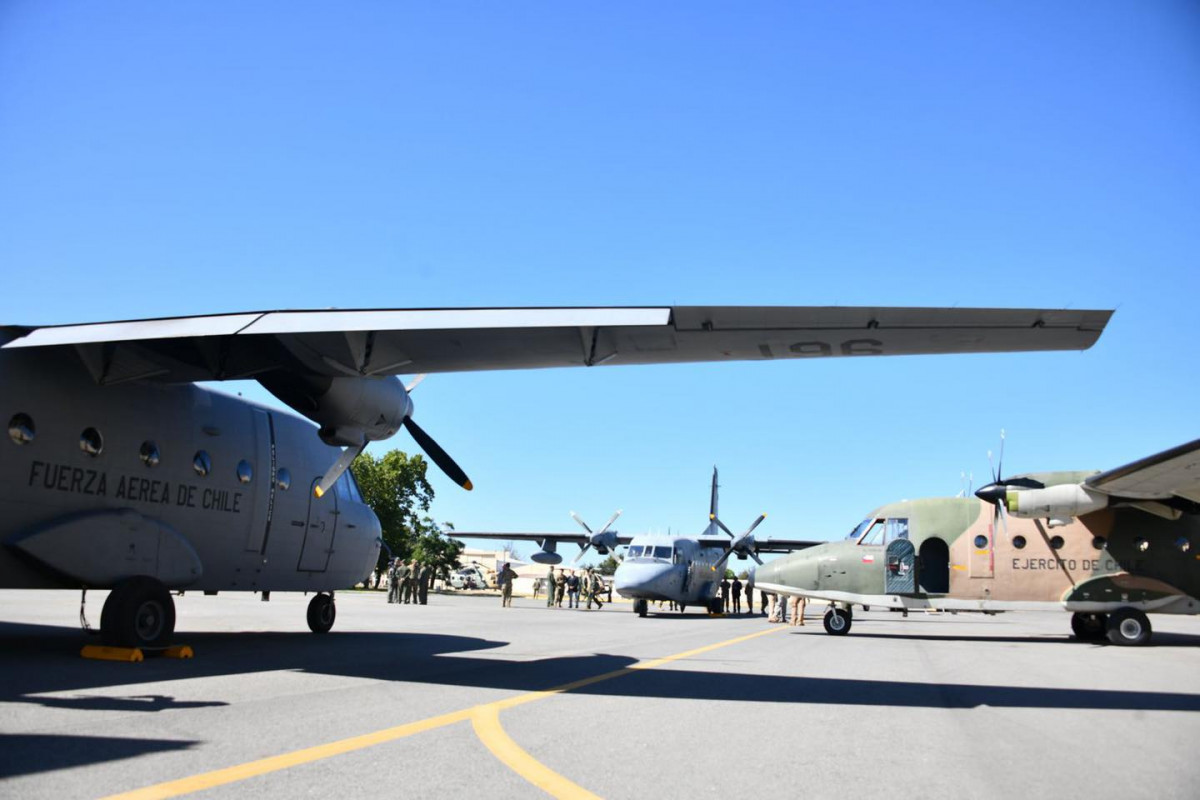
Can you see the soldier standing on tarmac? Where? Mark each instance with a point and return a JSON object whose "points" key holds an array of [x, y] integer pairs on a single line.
{"points": [[423, 580], [736, 592], [550, 588], [393, 581], [401, 582], [797, 609], [560, 588], [505, 578]]}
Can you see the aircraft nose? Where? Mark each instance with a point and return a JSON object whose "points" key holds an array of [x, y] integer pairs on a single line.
{"points": [[633, 580]]}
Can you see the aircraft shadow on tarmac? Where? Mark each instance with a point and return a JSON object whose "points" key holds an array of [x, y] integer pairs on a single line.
{"points": [[29, 754], [35, 660]]}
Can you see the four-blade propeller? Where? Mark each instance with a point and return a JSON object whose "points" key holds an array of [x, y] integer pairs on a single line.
{"points": [[742, 545], [603, 540]]}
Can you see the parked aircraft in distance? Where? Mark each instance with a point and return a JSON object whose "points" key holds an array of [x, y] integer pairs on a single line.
{"points": [[1109, 547], [685, 570], [122, 474]]}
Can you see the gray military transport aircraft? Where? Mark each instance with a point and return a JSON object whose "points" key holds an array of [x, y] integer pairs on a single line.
{"points": [[685, 570], [122, 474]]}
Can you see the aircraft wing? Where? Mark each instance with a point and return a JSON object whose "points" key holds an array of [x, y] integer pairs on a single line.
{"points": [[1170, 474], [558, 538], [337, 343], [763, 545]]}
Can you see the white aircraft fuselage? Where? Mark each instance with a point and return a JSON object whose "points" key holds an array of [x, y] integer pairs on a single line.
{"points": [[196, 488]]}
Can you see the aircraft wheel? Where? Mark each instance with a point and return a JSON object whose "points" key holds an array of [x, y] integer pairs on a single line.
{"points": [[714, 606], [682, 608], [139, 612], [837, 622], [1089, 627], [321, 613], [1128, 626], [639, 606]]}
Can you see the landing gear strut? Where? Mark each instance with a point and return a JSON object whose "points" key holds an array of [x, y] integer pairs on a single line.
{"points": [[639, 606], [139, 612], [321, 613], [1089, 627], [837, 621], [1128, 626]]}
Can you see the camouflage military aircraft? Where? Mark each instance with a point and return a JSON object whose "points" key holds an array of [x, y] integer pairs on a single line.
{"points": [[1109, 547], [120, 473]]}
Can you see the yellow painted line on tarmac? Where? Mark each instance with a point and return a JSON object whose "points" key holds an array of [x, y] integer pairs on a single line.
{"points": [[495, 734], [486, 722]]}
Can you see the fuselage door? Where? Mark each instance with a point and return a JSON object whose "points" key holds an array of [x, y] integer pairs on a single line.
{"points": [[319, 532], [900, 573], [260, 479]]}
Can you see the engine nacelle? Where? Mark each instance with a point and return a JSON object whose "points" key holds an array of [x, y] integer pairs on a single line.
{"points": [[1067, 500], [349, 410]]}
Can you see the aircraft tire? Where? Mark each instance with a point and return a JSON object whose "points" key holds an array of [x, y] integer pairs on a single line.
{"points": [[837, 622], [321, 613], [139, 612], [1089, 627], [1129, 627], [639, 606]]}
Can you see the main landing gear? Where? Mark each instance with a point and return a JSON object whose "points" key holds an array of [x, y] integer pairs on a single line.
{"points": [[640, 605], [837, 621], [139, 613], [321, 613], [1089, 627], [1128, 626]]}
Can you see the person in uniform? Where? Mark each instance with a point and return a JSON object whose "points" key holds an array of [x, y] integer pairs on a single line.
{"points": [[423, 581], [775, 614], [401, 581], [560, 587], [550, 588], [393, 581], [594, 584], [797, 609], [505, 578], [725, 595], [749, 597], [735, 590]]}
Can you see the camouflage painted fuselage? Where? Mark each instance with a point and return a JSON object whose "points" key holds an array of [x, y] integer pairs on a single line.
{"points": [[961, 558]]}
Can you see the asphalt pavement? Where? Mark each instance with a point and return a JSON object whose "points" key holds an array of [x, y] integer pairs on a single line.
{"points": [[463, 698]]}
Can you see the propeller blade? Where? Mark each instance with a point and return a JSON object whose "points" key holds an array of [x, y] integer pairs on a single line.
{"points": [[1000, 461], [341, 465], [755, 524], [583, 548], [754, 555], [582, 524], [721, 525], [611, 520], [1003, 519], [437, 455], [416, 382]]}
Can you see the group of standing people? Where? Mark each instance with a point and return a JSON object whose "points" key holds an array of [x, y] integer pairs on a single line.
{"points": [[560, 585], [408, 582]]}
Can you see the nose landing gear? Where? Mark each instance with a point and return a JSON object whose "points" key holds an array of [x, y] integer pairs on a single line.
{"points": [[837, 621], [321, 613]]}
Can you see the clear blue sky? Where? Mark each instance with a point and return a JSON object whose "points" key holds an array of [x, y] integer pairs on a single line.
{"points": [[197, 157]]}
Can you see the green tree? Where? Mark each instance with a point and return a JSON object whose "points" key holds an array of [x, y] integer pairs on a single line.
{"points": [[729, 573], [396, 489], [609, 565], [435, 549]]}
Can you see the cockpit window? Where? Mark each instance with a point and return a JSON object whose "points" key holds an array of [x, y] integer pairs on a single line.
{"points": [[858, 530], [885, 531], [635, 551], [663, 553]]}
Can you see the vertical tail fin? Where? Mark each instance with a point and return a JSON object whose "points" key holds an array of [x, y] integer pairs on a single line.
{"points": [[712, 529]]}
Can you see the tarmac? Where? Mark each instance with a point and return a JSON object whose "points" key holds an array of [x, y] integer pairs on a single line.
{"points": [[462, 698]]}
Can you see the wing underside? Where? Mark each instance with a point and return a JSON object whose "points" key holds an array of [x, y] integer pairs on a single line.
{"points": [[1174, 473], [410, 341]]}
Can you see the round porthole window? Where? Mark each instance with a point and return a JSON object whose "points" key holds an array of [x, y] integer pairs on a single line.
{"points": [[91, 442], [981, 541], [149, 454], [1142, 545], [283, 478], [1098, 542], [1056, 542], [202, 463], [20, 429], [1183, 543], [245, 473], [1019, 542]]}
